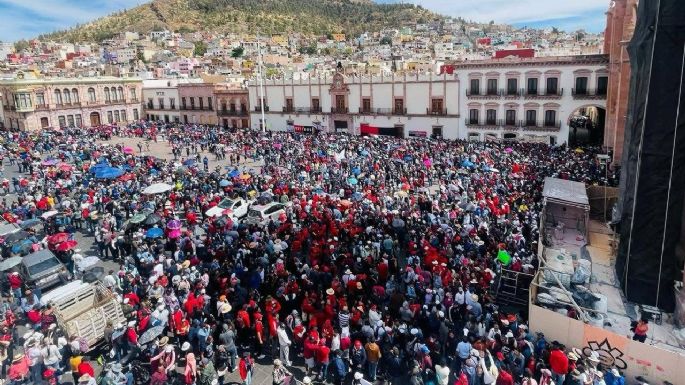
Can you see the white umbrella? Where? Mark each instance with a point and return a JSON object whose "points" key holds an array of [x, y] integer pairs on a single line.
{"points": [[157, 188], [49, 214]]}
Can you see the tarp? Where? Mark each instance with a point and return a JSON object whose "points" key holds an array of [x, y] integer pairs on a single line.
{"points": [[653, 165], [565, 191]]}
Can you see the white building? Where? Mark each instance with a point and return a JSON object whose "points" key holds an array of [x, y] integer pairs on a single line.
{"points": [[416, 105], [5, 49], [161, 100], [529, 99], [516, 99]]}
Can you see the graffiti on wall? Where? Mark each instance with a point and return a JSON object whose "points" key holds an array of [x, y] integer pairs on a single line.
{"points": [[610, 357]]}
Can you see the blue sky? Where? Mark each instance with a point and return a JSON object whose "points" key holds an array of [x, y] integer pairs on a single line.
{"points": [[29, 18]]}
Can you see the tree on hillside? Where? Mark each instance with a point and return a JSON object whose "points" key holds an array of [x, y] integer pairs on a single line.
{"points": [[386, 40], [21, 45], [555, 30], [237, 52], [200, 49]]}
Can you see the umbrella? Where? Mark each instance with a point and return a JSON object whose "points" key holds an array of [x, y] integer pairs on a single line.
{"points": [[49, 162], [16, 236], [173, 224], [153, 219], [127, 150], [58, 238], [352, 181], [98, 167], [154, 232], [30, 223], [224, 183], [189, 162], [65, 167], [138, 218], [157, 188], [49, 214], [150, 334], [109, 173], [173, 234], [508, 150], [22, 247], [9, 263], [66, 246], [234, 174]]}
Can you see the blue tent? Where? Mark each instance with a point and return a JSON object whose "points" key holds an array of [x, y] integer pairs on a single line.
{"points": [[154, 232], [224, 183], [234, 174], [467, 163], [109, 173], [356, 171], [98, 167]]}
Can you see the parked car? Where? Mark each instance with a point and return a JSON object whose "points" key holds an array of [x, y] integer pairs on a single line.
{"points": [[238, 208], [44, 270], [262, 214]]}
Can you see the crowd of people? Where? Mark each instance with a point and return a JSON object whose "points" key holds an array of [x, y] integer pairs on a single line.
{"points": [[382, 265]]}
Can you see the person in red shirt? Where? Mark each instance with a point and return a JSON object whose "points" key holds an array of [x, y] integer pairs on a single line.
{"points": [[259, 334], [504, 378], [131, 334], [245, 368], [322, 359], [558, 362], [85, 368], [15, 284]]}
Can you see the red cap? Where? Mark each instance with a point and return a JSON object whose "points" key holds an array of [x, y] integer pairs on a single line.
{"points": [[500, 356], [258, 316], [357, 344]]}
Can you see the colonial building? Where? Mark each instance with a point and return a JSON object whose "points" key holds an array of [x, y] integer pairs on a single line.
{"points": [[33, 103], [398, 105], [532, 99], [198, 104], [233, 107], [160, 97], [619, 30]]}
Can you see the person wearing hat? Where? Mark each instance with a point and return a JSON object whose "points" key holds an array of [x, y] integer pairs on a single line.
{"points": [[19, 369], [86, 379], [114, 375], [558, 363], [280, 375], [284, 344], [208, 373], [166, 357], [190, 371]]}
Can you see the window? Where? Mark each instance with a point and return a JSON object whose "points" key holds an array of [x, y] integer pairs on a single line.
{"points": [[512, 86], [183, 103], [161, 103], [581, 85], [340, 103], [209, 103], [602, 84], [492, 86], [114, 94], [110, 117], [22, 100], [70, 120], [117, 117], [58, 98], [532, 86], [366, 105], [550, 118], [134, 95], [74, 95], [192, 103], [510, 118], [91, 95], [120, 91], [531, 118], [437, 106], [475, 86], [150, 105], [135, 114], [62, 121], [107, 95], [491, 116], [79, 121], [289, 104], [317, 107], [399, 104], [40, 99], [123, 116], [202, 103], [473, 116], [172, 103], [552, 86], [66, 95]]}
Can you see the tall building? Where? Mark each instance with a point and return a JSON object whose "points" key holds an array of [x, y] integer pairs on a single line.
{"points": [[32, 103], [621, 18], [233, 107]]}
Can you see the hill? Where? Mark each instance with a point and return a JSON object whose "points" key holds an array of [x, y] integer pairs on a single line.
{"points": [[266, 17]]}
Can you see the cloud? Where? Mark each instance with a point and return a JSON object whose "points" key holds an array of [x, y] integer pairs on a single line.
{"points": [[523, 11], [29, 18]]}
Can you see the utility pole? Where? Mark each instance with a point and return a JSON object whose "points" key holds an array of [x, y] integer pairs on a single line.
{"points": [[261, 84]]}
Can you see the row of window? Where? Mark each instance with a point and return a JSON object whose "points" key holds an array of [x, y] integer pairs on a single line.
{"points": [[66, 96], [184, 106], [510, 119], [437, 104], [69, 121], [532, 87], [77, 121]]}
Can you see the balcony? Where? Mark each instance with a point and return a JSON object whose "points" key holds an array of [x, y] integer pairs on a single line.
{"points": [[339, 110], [588, 94], [232, 112], [195, 108], [534, 125], [41, 107], [512, 93], [436, 111], [542, 94], [487, 123], [259, 109], [289, 109]]}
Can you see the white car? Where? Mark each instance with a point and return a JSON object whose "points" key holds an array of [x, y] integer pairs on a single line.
{"points": [[262, 214], [237, 208]]}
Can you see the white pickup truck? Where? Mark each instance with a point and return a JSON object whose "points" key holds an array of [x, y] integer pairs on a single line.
{"points": [[83, 309], [234, 208]]}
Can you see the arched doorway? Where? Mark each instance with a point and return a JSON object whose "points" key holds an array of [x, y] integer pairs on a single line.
{"points": [[94, 119], [586, 126], [510, 136], [474, 136]]}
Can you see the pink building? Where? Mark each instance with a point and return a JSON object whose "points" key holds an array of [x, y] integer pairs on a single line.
{"points": [[233, 107], [198, 104], [33, 103]]}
